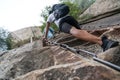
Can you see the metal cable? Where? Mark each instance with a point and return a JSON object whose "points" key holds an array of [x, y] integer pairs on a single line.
{"points": [[94, 56]]}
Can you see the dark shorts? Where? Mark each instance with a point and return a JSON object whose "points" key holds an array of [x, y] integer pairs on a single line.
{"points": [[67, 23], [65, 27]]}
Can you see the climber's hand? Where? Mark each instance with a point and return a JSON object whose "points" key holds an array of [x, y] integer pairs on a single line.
{"points": [[44, 41]]}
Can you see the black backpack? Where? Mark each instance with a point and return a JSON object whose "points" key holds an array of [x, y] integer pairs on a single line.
{"points": [[60, 10]]}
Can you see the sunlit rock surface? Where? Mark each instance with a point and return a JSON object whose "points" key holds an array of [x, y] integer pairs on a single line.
{"points": [[100, 7]]}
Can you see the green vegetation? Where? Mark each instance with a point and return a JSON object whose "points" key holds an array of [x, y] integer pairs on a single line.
{"points": [[74, 10], [9, 43], [4, 40]]}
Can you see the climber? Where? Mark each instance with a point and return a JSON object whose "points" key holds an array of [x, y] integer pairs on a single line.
{"points": [[67, 24]]}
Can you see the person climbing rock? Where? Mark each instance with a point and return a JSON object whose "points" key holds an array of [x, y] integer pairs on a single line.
{"points": [[59, 15]]}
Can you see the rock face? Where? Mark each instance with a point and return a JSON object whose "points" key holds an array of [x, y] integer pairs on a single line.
{"points": [[52, 63], [34, 62], [101, 7], [24, 35], [72, 71], [111, 55], [102, 14], [10, 59]]}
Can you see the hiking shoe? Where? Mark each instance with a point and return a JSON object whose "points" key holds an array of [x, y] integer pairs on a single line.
{"points": [[107, 43]]}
